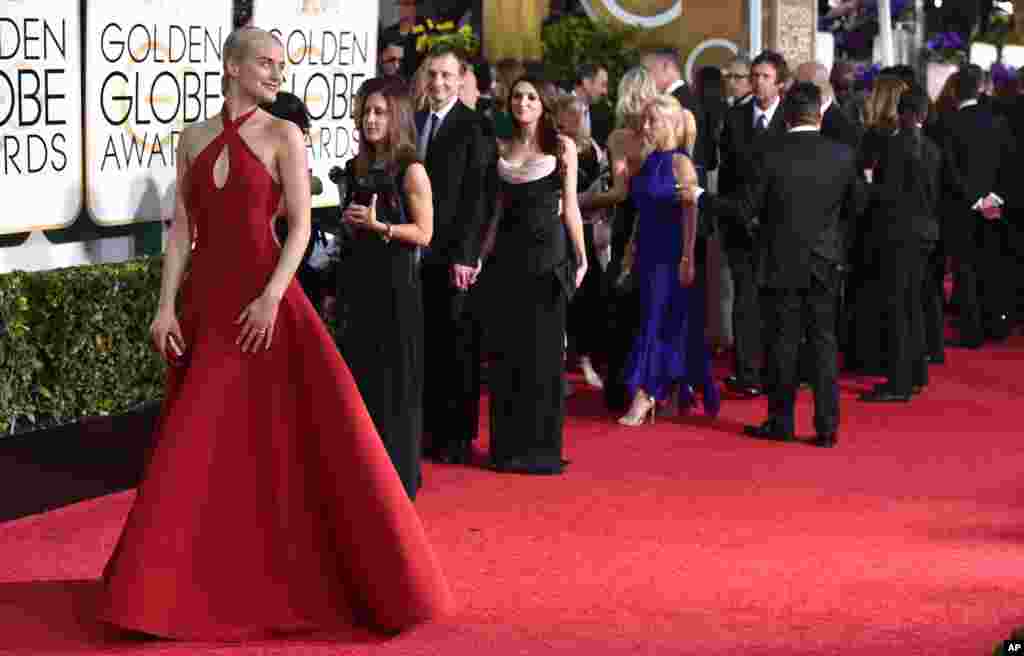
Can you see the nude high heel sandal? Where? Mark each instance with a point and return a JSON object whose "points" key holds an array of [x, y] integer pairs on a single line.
{"points": [[643, 407]]}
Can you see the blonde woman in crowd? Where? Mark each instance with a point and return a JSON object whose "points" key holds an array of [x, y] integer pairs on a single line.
{"points": [[626, 153], [669, 349]]}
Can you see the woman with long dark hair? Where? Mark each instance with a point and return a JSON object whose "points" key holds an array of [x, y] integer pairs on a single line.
{"points": [[532, 274], [388, 204]]}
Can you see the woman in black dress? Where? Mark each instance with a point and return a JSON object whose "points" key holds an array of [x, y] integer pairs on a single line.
{"points": [[865, 343], [388, 206], [531, 276]]}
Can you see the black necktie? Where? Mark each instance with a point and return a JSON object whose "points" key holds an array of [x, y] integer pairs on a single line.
{"points": [[762, 124], [431, 128]]}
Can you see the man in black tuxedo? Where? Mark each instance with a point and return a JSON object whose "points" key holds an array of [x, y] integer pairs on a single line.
{"points": [[807, 186], [452, 145], [834, 123], [907, 182], [1014, 108], [748, 127], [978, 146], [591, 84]]}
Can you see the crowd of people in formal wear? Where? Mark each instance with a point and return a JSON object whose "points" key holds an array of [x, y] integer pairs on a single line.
{"points": [[496, 227], [792, 214]]}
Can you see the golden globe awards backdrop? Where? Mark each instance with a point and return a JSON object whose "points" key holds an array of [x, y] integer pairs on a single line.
{"points": [[331, 48], [40, 114], [152, 67]]}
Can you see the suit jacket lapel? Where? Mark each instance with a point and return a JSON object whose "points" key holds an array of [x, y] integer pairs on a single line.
{"points": [[748, 122], [777, 125], [449, 123]]}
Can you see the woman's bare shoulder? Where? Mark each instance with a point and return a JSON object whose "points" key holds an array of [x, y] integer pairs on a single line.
{"points": [[195, 137], [683, 168]]}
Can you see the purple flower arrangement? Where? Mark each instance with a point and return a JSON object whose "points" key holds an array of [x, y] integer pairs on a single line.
{"points": [[866, 75], [946, 47], [1003, 74]]}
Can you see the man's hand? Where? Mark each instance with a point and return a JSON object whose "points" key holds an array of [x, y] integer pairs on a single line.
{"points": [[462, 276], [688, 194], [991, 212], [990, 207]]}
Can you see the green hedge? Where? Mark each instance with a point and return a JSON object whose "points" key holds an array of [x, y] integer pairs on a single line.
{"points": [[74, 342]]}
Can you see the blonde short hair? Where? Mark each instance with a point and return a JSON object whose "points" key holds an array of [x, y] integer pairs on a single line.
{"points": [[685, 131], [239, 44], [635, 88]]}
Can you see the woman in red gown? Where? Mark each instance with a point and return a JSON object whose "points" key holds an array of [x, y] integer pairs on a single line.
{"points": [[269, 504]]}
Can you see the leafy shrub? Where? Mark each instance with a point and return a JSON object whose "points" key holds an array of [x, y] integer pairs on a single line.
{"points": [[74, 342], [574, 40]]}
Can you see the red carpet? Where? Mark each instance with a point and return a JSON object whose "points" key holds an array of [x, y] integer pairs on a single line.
{"points": [[684, 538]]}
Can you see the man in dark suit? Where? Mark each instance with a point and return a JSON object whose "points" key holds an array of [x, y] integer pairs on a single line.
{"points": [[834, 123], [807, 186], [452, 145], [906, 185], [1014, 108], [978, 145], [748, 127], [591, 84]]}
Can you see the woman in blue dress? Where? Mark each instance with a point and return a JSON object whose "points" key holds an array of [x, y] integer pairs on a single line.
{"points": [[670, 347]]}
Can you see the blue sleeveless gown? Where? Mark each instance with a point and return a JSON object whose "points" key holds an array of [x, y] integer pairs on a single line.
{"points": [[670, 346]]}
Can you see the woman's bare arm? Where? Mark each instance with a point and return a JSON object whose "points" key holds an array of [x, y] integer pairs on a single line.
{"points": [[618, 154], [294, 172], [420, 207], [690, 130], [179, 238], [686, 175], [570, 205]]}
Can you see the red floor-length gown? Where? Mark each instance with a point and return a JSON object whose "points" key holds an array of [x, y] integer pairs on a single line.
{"points": [[270, 504]]}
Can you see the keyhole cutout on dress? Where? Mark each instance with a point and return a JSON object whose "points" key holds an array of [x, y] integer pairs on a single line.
{"points": [[222, 167]]}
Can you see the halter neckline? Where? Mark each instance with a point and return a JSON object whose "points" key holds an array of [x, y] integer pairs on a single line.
{"points": [[236, 123]]}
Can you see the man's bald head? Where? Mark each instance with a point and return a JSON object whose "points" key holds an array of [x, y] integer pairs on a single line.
{"points": [[816, 74]]}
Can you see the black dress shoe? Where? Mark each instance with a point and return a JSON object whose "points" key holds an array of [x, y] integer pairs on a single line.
{"points": [[459, 453], [452, 453], [740, 388], [768, 431], [515, 466], [960, 343], [434, 454], [826, 440], [882, 395]]}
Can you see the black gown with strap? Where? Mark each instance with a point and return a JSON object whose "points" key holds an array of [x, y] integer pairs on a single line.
{"points": [[530, 281]]}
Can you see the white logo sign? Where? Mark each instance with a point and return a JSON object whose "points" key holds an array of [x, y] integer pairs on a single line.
{"points": [[40, 114], [636, 20], [328, 55], [152, 66]]}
